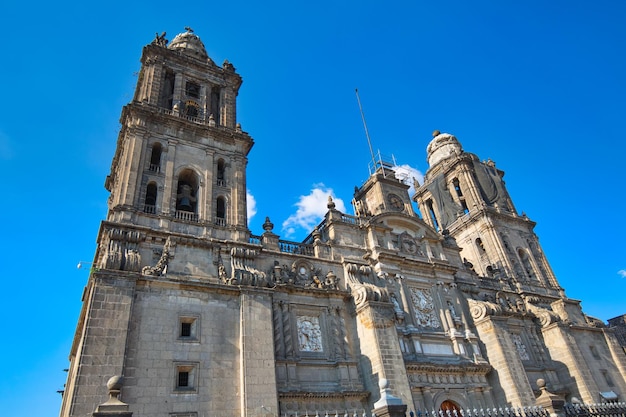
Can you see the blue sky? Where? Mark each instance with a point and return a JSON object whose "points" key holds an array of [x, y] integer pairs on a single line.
{"points": [[536, 86]]}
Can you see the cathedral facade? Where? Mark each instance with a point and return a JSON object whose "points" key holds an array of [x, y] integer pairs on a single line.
{"points": [[456, 309]]}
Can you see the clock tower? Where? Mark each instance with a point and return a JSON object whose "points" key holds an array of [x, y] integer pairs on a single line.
{"points": [[383, 192]]}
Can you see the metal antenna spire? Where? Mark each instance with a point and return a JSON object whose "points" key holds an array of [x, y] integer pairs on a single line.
{"points": [[367, 134]]}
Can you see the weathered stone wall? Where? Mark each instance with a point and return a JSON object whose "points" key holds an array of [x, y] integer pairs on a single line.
{"points": [[156, 349], [101, 347]]}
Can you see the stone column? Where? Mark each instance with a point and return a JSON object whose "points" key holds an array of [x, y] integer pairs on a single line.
{"points": [[169, 186], [287, 334], [338, 353], [279, 345], [206, 213], [178, 88]]}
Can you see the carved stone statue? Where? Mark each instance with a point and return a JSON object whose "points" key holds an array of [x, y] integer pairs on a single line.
{"points": [[160, 40], [309, 334]]}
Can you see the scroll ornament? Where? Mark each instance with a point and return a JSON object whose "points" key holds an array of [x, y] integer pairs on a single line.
{"points": [[364, 284], [481, 309]]}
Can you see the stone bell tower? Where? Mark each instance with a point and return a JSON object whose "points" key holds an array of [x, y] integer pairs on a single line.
{"points": [[181, 156], [519, 311], [177, 180], [468, 199]]}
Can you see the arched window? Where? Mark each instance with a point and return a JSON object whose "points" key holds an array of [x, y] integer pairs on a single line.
{"points": [[221, 172], [451, 406], [480, 246], [431, 211], [457, 187], [151, 198], [192, 109], [526, 262], [155, 157], [459, 194], [220, 211], [187, 190]]}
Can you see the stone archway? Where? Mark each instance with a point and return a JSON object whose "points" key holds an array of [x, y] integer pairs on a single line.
{"points": [[449, 406]]}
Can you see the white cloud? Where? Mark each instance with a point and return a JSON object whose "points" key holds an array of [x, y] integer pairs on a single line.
{"points": [[406, 174], [622, 273], [311, 210], [251, 205]]}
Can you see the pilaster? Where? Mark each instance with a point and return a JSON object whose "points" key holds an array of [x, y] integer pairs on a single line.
{"points": [[509, 372], [257, 367], [380, 349], [564, 349]]}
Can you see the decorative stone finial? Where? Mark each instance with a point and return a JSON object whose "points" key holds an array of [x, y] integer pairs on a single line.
{"points": [[551, 402], [386, 397], [316, 234], [113, 407], [268, 226], [238, 127], [331, 203], [211, 120], [114, 384], [436, 133]]}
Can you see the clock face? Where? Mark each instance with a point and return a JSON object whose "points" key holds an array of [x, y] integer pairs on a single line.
{"points": [[395, 201]]}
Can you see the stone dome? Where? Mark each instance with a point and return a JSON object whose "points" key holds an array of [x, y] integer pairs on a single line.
{"points": [[443, 146], [189, 43]]}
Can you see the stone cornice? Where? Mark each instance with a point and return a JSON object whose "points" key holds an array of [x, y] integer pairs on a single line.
{"points": [[449, 369], [151, 51], [324, 394], [149, 113]]}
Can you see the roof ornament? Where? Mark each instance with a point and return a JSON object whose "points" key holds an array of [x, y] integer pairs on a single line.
{"points": [[160, 40], [188, 29]]}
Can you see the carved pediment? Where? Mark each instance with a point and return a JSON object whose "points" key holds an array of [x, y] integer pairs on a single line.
{"points": [[303, 273]]}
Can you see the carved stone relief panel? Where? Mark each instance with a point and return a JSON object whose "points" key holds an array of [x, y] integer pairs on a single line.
{"points": [[425, 314], [409, 245], [309, 334], [520, 346]]}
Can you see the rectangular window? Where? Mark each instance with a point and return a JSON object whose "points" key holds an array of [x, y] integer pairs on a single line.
{"points": [[183, 379], [185, 329], [188, 328], [186, 376]]}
